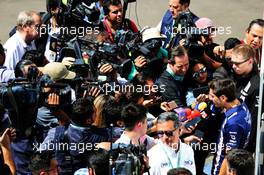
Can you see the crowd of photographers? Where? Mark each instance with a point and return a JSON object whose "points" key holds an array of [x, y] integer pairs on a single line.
{"points": [[116, 100]]}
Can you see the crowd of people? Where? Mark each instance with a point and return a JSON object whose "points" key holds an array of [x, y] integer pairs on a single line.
{"points": [[183, 96]]}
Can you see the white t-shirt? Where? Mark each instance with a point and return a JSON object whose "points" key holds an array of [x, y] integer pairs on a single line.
{"points": [[162, 158], [15, 49], [126, 140]]}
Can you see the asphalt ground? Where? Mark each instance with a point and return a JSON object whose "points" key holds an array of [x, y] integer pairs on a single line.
{"points": [[231, 17]]}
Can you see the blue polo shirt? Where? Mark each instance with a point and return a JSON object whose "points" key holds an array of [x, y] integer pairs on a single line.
{"points": [[235, 133]]}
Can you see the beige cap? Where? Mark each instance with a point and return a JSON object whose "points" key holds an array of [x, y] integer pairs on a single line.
{"points": [[152, 33], [58, 71]]}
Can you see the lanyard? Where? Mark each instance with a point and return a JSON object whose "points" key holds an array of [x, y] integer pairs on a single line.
{"points": [[108, 29], [178, 154]]}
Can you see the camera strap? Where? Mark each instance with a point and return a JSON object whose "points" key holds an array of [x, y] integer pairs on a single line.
{"points": [[14, 104]]}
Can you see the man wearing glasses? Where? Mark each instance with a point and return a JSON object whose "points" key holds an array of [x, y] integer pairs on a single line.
{"points": [[247, 83], [170, 152], [28, 23]]}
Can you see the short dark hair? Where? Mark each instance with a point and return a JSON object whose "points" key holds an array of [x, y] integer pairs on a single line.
{"points": [[20, 67], [132, 114], [99, 162], [112, 113], [185, 2], [52, 4], [107, 4], [176, 52], [169, 116], [230, 43], [40, 162], [259, 22], [82, 109], [225, 87], [240, 161], [179, 171]]}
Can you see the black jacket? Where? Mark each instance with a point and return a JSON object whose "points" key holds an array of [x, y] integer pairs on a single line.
{"points": [[172, 89], [248, 91]]}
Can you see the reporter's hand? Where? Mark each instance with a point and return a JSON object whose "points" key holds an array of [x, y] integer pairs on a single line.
{"points": [[12, 133], [5, 139], [140, 61], [219, 51], [94, 92], [148, 102], [182, 42], [106, 68], [53, 99], [165, 106], [68, 61], [168, 106], [202, 98], [191, 138], [185, 130]]}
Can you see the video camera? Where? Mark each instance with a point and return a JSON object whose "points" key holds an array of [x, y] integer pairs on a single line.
{"points": [[132, 46], [78, 13], [21, 98], [128, 160], [187, 30], [101, 53]]}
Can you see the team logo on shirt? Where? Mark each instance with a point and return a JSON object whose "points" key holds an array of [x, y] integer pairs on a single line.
{"points": [[188, 162], [164, 165]]}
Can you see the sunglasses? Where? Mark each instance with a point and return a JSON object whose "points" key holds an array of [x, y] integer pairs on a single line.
{"points": [[197, 74], [167, 133], [238, 63]]}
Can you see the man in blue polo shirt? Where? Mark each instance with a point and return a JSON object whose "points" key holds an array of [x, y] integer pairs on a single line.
{"points": [[236, 127], [168, 23]]}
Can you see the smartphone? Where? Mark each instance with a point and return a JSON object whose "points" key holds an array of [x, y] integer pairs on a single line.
{"points": [[172, 104], [193, 122]]}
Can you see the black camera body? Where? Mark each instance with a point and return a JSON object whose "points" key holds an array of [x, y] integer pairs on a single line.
{"points": [[20, 99], [187, 30], [128, 159]]}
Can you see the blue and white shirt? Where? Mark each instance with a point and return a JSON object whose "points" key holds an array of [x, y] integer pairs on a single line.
{"points": [[234, 133]]}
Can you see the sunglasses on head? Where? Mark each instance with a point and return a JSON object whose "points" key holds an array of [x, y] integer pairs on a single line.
{"points": [[197, 74], [167, 133]]}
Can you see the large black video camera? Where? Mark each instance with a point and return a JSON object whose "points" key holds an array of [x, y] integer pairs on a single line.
{"points": [[78, 13], [132, 46], [20, 99], [47, 86], [187, 30], [103, 52], [128, 160]]}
